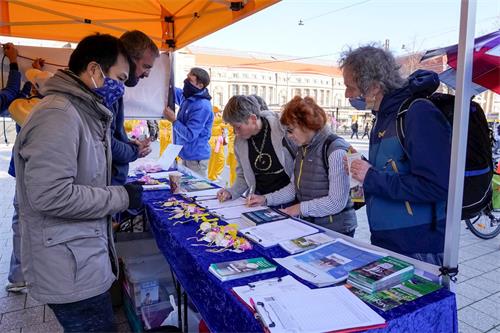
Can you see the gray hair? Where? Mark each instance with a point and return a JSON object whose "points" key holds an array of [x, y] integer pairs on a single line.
{"points": [[262, 103], [372, 65], [239, 108]]}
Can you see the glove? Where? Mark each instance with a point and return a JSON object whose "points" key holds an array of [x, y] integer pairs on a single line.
{"points": [[134, 195]]}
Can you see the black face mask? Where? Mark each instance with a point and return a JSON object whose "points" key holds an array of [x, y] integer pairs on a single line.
{"points": [[132, 78], [189, 89]]}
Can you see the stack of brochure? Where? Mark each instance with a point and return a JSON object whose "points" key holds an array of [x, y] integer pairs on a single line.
{"points": [[302, 244], [407, 291], [330, 263], [381, 274], [236, 269]]}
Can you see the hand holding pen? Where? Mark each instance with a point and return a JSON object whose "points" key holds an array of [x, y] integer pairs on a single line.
{"points": [[254, 199]]}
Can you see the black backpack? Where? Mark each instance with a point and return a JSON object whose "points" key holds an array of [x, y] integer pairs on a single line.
{"points": [[479, 162], [326, 145]]}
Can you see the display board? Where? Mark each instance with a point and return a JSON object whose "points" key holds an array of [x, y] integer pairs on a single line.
{"points": [[144, 101]]}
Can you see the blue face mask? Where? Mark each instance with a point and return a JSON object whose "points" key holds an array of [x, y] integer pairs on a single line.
{"points": [[359, 103], [110, 91]]}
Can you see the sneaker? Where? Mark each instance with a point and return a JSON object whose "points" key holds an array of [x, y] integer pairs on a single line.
{"points": [[16, 287]]}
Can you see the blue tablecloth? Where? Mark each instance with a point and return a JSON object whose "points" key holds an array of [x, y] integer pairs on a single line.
{"points": [[224, 312]]}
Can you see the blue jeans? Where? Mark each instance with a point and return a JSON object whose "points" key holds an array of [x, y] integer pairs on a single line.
{"points": [[15, 271], [93, 314], [431, 258]]}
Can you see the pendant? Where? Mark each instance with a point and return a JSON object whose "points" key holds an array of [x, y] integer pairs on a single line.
{"points": [[263, 162]]}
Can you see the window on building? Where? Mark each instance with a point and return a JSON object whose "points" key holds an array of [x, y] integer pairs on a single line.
{"points": [[298, 92], [218, 98], [235, 75], [271, 95], [235, 90], [244, 90], [321, 97], [327, 98], [263, 92], [245, 75], [253, 90], [307, 92]]}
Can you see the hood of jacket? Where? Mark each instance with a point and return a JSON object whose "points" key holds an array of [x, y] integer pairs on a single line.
{"points": [[66, 83], [201, 95], [421, 83]]}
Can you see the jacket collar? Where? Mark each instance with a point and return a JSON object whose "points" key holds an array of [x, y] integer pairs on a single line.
{"points": [[67, 83]]}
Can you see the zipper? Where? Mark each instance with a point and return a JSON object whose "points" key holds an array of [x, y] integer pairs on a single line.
{"points": [[304, 151]]}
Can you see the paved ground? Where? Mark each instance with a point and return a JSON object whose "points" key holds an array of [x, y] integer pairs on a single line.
{"points": [[478, 290]]}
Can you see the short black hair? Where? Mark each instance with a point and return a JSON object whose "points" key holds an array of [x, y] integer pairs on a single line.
{"points": [[101, 48], [201, 75]]}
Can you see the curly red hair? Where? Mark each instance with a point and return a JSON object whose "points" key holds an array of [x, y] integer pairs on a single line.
{"points": [[303, 112]]}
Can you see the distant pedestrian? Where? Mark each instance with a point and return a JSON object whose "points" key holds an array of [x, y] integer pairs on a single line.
{"points": [[354, 128], [366, 132]]}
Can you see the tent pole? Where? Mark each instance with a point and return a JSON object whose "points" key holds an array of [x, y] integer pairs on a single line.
{"points": [[459, 139]]}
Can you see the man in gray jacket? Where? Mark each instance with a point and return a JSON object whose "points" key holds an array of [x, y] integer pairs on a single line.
{"points": [[264, 165], [63, 167]]}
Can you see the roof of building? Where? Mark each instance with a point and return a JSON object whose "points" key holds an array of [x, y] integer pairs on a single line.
{"points": [[261, 61]]}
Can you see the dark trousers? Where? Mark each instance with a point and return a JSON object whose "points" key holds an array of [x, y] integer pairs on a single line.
{"points": [[93, 314]]}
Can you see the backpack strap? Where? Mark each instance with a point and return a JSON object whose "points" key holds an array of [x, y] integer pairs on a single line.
{"points": [[331, 138]]}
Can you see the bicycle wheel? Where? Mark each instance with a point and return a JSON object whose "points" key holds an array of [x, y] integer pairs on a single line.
{"points": [[484, 226]]}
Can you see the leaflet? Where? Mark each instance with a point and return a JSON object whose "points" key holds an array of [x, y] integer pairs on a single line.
{"points": [[330, 263]]}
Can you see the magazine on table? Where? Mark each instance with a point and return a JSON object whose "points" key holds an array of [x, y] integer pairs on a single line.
{"points": [[315, 310], [405, 292], [272, 233], [330, 263], [264, 216], [305, 243], [381, 274], [236, 269]]}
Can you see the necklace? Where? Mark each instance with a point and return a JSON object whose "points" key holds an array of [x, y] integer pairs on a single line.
{"points": [[263, 162]]}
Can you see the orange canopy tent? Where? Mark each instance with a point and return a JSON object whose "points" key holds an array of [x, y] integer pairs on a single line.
{"points": [[172, 24]]}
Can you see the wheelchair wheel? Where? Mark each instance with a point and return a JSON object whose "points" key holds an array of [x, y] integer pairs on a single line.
{"points": [[485, 226]]}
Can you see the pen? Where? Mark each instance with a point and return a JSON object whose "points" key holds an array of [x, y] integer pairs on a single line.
{"points": [[249, 195]]}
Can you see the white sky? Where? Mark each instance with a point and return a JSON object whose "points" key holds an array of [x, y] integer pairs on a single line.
{"points": [[329, 27]]}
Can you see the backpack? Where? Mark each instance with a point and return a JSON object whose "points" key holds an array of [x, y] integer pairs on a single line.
{"points": [[326, 145], [479, 162]]}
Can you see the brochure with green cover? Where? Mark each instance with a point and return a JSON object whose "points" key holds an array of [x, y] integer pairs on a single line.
{"points": [[381, 274], [236, 269], [407, 291]]}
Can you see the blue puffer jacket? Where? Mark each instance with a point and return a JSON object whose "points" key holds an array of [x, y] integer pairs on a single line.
{"points": [[406, 195], [193, 127], [122, 150]]}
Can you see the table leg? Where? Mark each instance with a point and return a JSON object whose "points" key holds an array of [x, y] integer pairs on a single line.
{"points": [[185, 300]]}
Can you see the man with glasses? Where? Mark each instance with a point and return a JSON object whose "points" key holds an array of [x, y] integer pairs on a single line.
{"points": [[142, 52], [264, 166]]}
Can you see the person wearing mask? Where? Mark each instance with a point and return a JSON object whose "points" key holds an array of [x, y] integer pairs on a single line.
{"points": [[322, 191], [264, 165], [143, 52], [193, 124], [405, 188], [62, 158]]}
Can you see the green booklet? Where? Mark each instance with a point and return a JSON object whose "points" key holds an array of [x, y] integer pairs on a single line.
{"points": [[236, 269], [381, 274], [405, 292]]}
